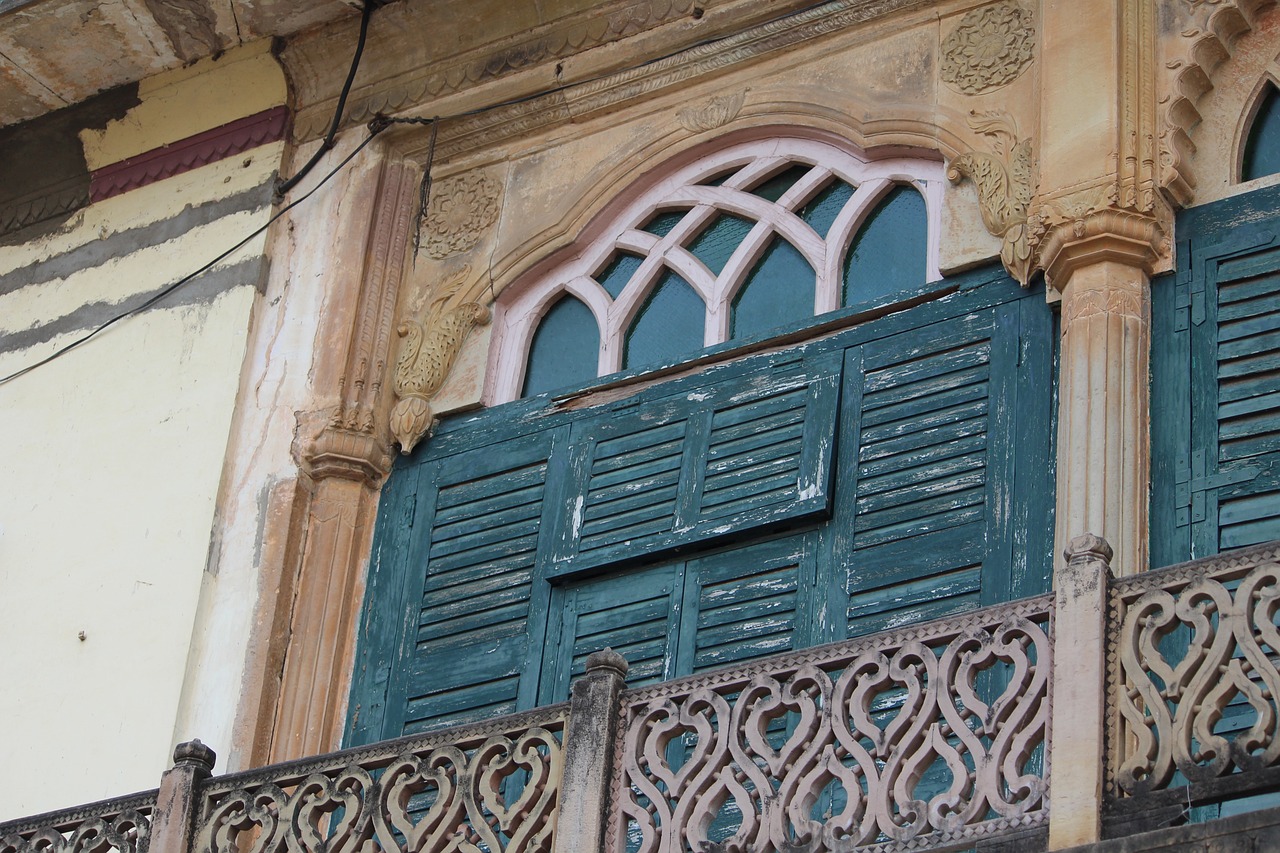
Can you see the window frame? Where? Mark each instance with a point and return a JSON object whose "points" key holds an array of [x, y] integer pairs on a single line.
{"points": [[520, 309]]}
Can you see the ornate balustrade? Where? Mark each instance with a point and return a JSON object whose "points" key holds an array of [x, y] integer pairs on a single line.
{"points": [[493, 786], [901, 740], [936, 736], [1193, 655], [122, 825]]}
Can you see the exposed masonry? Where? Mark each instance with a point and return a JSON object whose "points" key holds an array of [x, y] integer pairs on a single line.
{"points": [[204, 288], [98, 252]]}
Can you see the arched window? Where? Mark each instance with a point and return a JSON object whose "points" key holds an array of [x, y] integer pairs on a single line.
{"points": [[1262, 146], [754, 237]]}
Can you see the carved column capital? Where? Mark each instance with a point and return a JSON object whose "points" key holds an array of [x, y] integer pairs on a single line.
{"points": [[347, 448], [1072, 242]]}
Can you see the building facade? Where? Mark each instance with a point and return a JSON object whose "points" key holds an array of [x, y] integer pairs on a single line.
{"points": [[436, 347]]}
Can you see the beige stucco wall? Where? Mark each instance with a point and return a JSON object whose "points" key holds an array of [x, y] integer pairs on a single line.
{"points": [[113, 454]]}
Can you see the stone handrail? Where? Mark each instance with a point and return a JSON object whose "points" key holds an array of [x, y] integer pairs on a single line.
{"points": [[1188, 645], [900, 740], [122, 825]]}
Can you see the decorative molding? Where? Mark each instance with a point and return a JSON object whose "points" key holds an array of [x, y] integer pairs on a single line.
{"points": [[1100, 235], [67, 196], [311, 67], [1202, 48], [1004, 183], [716, 112], [428, 349], [193, 152], [461, 208], [990, 48], [578, 102]]}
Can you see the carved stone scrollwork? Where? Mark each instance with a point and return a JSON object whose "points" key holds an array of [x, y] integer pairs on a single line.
{"points": [[126, 832], [990, 48], [1187, 656], [767, 750], [499, 795], [428, 349], [1004, 182], [461, 208]]}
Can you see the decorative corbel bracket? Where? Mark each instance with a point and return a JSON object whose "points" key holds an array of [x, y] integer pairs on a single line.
{"points": [[1004, 182], [429, 345]]}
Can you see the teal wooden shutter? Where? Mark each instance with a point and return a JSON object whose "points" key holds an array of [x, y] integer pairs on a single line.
{"points": [[1216, 397], [742, 453], [747, 602], [683, 617], [465, 651], [940, 424]]}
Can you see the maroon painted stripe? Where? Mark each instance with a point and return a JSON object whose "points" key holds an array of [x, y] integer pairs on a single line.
{"points": [[186, 154]]}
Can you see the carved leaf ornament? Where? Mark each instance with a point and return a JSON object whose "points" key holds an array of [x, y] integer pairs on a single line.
{"points": [[926, 735], [1176, 699], [989, 49], [499, 796], [428, 349], [1004, 183]]}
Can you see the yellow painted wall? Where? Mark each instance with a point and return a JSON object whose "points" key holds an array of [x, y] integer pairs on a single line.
{"points": [[111, 457]]}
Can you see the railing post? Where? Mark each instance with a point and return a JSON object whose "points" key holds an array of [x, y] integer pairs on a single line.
{"points": [[1076, 746], [589, 741], [173, 821]]}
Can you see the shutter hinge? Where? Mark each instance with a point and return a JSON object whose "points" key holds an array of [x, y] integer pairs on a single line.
{"points": [[1191, 485]]}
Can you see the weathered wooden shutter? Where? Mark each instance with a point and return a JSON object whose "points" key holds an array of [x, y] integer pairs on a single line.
{"points": [[686, 616], [466, 648], [742, 453], [1216, 390], [930, 464]]}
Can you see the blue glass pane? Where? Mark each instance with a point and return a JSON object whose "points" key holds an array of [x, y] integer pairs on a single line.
{"points": [[773, 188], [618, 272], [669, 324], [1262, 151], [822, 210], [565, 350], [660, 224], [889, 254], [718, 240], [719, 179], [779, 290]]}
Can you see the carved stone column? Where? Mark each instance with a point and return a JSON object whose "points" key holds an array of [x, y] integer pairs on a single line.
{"points": [[1100, 224], [345, 454], [1103, 405]]}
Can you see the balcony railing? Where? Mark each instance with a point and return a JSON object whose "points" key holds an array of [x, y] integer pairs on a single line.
{"points": [[939, 736]]}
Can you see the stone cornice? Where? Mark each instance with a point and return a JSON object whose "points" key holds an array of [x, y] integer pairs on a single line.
{"points": [[399, 90]]}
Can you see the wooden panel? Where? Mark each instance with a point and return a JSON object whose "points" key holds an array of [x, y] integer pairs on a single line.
{"points": [[1216, 388], [468, 648], [745, 452]]}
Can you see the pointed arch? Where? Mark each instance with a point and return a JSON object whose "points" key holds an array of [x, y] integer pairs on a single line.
{"points": [[764, 183]]}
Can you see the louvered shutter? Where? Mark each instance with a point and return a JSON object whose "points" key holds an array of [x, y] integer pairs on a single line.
{"points": [[932, 460], [1216, 397], [746, 603], [734, 455], [466, 650]]}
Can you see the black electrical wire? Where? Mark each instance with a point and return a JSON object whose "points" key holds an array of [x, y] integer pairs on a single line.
{"points": [[152, 300], [284, 187]]}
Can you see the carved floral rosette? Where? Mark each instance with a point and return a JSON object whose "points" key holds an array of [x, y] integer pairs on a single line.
{"points": [[498, 792], [990, 48], [1194, 656], [928, 734]]}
